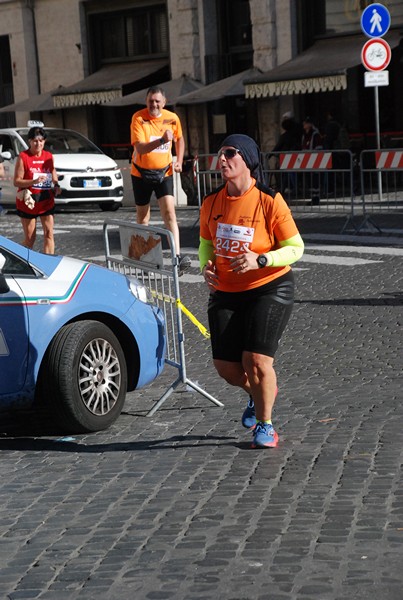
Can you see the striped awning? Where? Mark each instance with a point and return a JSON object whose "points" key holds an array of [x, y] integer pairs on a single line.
{"points": [[321, 68], [107, 84]]}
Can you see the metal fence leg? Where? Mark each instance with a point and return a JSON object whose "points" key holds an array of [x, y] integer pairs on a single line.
{"points": [[164, 397], [367, 220], [203, 392], [349, 219], [173, 387]]}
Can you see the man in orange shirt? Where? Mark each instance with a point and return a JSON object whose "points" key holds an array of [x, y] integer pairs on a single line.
{"points": [[153, 129], [248, 239]]}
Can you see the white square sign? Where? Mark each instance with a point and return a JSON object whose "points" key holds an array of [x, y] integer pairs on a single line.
{"points": [[374, 78]]}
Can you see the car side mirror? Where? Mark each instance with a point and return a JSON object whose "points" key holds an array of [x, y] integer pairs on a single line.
{"points": [[7, 155]]}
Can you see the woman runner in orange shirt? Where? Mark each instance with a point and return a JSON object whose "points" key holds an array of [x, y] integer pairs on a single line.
{"points": [[248, 240]]}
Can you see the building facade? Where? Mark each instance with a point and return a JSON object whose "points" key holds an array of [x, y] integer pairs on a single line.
{"points": [[67, 62]]}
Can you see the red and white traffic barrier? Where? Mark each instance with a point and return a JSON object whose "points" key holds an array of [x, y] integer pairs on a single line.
{"points": [[306, 160], [389, 159], [213, 163]]}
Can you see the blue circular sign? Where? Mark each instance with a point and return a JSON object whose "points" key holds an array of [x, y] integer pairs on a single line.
{"points": [[375, 20]]}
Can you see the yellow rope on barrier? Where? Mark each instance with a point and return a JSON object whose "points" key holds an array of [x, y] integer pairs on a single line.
{"points": [[193, 319], [203, 330], [162, 297]]}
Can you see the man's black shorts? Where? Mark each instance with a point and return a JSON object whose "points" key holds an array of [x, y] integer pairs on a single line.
{"points": [[142, 190], [251, 321]]}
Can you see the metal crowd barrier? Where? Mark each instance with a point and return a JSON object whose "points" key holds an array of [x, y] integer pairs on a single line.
{"points": [[314, 181], [381, 183], [310, 181], [208, 175], [147, 253], [325, 181]]}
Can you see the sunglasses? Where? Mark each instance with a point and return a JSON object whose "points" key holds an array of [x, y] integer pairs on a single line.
{"points": [[228, 152]]}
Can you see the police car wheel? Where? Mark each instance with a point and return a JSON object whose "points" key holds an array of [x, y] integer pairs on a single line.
{"points": [[85, 377]]}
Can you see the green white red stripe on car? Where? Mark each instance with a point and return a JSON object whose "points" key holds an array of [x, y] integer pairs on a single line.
{"points": [[58, 288]]}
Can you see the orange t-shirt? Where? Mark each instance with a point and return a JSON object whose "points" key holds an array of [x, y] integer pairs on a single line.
{"points": [[256, 220], [144, 129]]}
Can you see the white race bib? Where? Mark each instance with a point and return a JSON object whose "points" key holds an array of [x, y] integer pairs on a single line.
{"points": [[163, 148], [233, 239], [47, 184]]}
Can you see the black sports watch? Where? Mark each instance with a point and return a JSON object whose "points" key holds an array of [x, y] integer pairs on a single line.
{"points": [[262, 261]]}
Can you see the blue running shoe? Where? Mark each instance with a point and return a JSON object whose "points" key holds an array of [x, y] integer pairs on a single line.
{"points": [[249, 415], [264, 436]]}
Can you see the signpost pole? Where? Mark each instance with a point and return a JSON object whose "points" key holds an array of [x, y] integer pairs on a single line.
{"points": [[378, 139], [375, 56]]}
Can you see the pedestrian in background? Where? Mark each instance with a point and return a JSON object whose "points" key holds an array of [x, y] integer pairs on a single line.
{"points": [[331, 132], [248, 239], [289, 140], [153, 129], [37, 182], [312, 140]]}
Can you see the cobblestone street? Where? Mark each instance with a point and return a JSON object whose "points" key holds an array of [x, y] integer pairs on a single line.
{"points": [[177, 506]]}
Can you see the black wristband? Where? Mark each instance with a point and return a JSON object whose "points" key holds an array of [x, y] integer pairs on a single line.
{"points": [[162, 141]]}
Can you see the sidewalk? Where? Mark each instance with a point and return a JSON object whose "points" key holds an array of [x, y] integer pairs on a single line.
{"points": [[318, 227]]}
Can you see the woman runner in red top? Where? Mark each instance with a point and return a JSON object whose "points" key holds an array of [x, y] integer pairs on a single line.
{"points": [[248, 239], [36, 179]]}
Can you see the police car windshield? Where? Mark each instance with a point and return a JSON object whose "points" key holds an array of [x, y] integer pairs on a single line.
{"points": [[63, 141]]}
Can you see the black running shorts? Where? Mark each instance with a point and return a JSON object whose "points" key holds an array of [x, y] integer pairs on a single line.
{"points": [[25, 215], [251, 321], [142, 190]]}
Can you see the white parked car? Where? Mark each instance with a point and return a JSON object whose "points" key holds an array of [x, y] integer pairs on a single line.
{"points": [[86, 174]]}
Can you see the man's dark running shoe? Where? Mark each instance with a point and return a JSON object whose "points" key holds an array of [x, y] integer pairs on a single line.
{"points": [[185, 263], [264, 436], [249, 415]]}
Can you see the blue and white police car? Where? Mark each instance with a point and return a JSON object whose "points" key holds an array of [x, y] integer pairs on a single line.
{"points": [[75, 336]]}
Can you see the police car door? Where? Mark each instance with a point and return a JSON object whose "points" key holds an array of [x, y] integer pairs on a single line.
{"points": [[14, 329]]}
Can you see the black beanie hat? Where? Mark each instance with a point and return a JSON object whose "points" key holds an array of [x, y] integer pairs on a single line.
{"points": [[249, 151]]}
